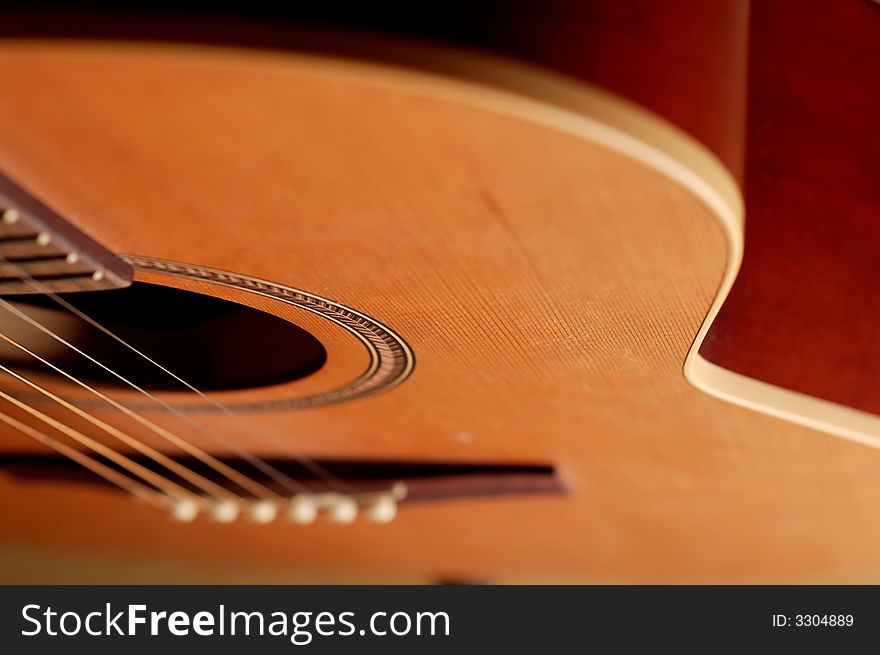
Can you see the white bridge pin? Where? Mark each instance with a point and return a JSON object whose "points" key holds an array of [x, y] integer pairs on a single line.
{"points": [[184, 510], [382, 509], [341, 509], [303, 509], [262, 511], [225, 511]]}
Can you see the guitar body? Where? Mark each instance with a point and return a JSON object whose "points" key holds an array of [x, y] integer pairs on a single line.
{"points": [[503, 265]]}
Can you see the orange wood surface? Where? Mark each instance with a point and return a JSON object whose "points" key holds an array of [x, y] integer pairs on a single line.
{"points": [[549, 285]]}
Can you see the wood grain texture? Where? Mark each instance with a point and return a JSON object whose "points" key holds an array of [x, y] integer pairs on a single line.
{"points": [[549, 285], [686, 61]]}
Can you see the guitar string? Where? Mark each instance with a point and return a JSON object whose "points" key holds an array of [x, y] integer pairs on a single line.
{"points": [[241, 480], [309, 464], [135, 488], [160, 482], [182, 443], [184, 472], [280, 477]]}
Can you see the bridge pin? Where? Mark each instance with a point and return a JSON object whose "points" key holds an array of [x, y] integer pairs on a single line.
{"points": [[302, 509], [262, 511], [225, 511], [184, 510], [341, 509], [381, 509]]}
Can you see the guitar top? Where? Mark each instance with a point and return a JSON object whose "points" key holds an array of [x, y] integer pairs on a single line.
{"points": [[478, 292]]}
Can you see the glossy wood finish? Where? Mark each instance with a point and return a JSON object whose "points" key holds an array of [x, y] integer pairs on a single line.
{"points": [[690, 62], [548, 319], [804, 312], [685, 60]]}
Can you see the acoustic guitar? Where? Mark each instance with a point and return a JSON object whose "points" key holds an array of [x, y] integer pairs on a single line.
{"points": [[580, 290]]}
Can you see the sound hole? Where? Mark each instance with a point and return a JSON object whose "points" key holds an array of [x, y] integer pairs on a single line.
{"points": [[213, 344]]}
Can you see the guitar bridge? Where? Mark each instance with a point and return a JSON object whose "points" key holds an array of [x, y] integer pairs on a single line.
{"points": [[41, 252]]}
